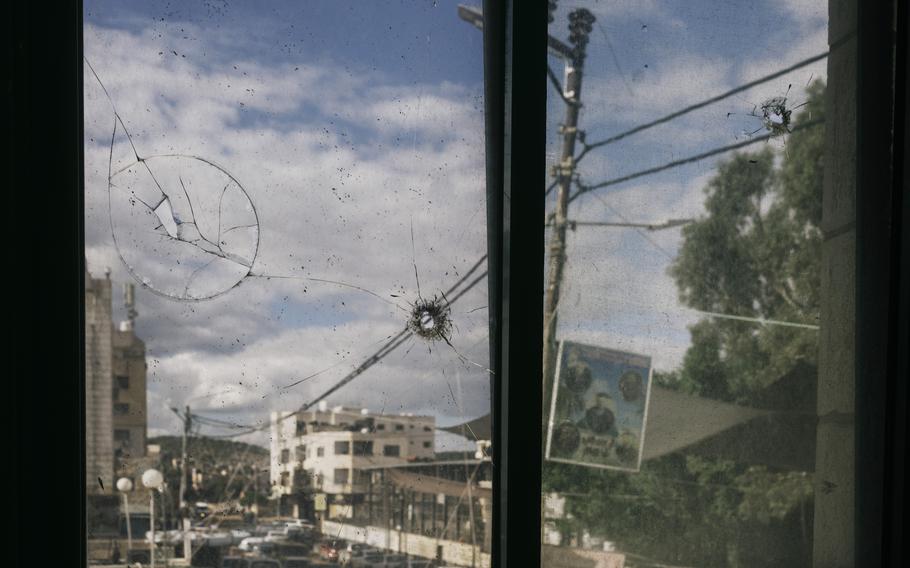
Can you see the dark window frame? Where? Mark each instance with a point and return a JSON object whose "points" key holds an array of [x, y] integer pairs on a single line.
{"points": [[362, 448], [46, 61], [515, 45], [347, 475]]}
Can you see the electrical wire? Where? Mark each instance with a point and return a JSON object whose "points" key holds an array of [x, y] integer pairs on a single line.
{"points": [[701, 104], [585, 188], [392, 344]]}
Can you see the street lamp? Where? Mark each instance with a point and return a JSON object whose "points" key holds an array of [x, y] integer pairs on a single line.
{"points": [[124, 485], [152, 479]]}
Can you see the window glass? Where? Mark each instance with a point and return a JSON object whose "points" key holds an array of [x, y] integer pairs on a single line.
{"points": [[285, 210], [363, 448], [341, 475], [698, 297]]}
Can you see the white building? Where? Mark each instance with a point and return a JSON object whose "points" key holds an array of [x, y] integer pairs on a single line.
{"points": [[327, 450]]}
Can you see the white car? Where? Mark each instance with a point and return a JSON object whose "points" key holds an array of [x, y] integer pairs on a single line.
{"points": [[218, 538], [275, 536], [248, 544]]}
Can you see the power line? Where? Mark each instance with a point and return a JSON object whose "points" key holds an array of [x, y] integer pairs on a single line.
{"points": [[550, 187], [698, 105], [572, 223], [393, 343], [584, 188], [219, 423]]}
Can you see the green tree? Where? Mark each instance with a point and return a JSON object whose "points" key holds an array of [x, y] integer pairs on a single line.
{"points": [[756, 254]]}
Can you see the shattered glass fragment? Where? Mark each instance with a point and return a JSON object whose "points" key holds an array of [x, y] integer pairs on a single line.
{"points": [[776, 116], [431, 319]]}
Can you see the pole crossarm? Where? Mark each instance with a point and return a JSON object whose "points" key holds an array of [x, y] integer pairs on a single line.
{"points": [[669, 224]]}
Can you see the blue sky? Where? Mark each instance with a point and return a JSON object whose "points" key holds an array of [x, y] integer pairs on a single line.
{"points": [[350, 124]]}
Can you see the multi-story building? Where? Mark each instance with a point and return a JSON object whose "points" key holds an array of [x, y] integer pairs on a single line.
{"points": [[332, 451], [115, 404], [99, 453], [128, 395]]}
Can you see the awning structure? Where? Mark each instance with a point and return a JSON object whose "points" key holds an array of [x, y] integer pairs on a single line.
{"points": [[476, 429], [435, 485], [677, 420], [779, 434]]}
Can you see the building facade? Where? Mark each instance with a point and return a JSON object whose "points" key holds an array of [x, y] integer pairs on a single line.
{"points": [[99, 453], [128, 396], [331, 451], [115, 405]]}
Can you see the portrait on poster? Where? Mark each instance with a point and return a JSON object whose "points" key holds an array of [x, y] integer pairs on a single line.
{"points": [[599, 407]]}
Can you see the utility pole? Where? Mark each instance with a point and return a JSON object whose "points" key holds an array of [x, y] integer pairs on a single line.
{"points": [[187, 544], [580, 26], [187, 422]]}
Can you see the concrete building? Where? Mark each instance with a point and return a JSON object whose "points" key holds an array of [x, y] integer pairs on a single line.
{"points": [[129, 368], [99, 453], [331, 451], [115, 405]]}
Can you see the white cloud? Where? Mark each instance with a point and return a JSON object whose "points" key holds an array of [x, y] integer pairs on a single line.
{"points": [[808, 12], [670, 84], [339, 167]]}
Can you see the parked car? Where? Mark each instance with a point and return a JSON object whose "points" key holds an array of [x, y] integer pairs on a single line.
{"points": [[218, 538], [275, 536], [235, 562], [374, 559], [328, 550], [266, 548], [300, 523], [288, 548], [264, 563], [354, 550], [395, 561], [297, 562], [247, 544], [237, 535]]}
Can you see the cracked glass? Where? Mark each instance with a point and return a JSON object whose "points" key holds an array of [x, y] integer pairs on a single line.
{"points": [[286, 324], [698, 338]]}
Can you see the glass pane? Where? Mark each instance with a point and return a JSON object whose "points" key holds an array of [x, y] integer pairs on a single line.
{"points": [[286, 286], [699, 335]]}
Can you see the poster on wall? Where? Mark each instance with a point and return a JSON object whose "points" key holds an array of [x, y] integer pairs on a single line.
{"points": [[599, 407]]}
